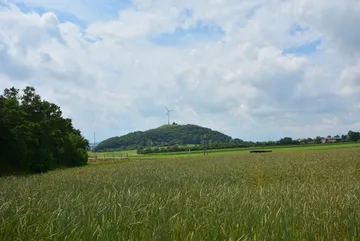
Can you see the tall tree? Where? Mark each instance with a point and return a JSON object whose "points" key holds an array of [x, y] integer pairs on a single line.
{"points": [[34, 136], [353, 136]]}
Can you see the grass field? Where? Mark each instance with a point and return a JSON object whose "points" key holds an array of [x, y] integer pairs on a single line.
{"points": [[299, 195], [132, 153], [112, 154]]}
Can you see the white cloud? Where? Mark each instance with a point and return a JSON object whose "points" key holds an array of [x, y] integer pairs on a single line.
{"points": [[134, 23], [350, 80], [336, 20], [112, 79]]}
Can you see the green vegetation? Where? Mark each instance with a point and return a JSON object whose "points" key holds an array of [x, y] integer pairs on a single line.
{"points": [[234, 146], [353, 136], [181, 138], [128, 153], [34, 137], [166, 135], [311, 195], [132, 154]]}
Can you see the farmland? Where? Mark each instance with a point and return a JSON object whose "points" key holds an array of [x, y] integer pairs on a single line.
{"points": [[132, 153], [285, 195]]}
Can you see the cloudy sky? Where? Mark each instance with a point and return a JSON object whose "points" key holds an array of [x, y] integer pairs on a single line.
{"points": [[252, 69]]}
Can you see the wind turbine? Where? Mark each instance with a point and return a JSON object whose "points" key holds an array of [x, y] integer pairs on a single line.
{"points": [[168, 114]]}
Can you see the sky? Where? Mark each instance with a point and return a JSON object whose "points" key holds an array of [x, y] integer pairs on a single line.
{"points": [[253, 69]]}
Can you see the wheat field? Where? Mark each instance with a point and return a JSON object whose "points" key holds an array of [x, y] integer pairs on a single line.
{"points": [[303, 195]]}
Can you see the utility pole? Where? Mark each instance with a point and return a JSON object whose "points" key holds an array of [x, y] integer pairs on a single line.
{"points": [[204, 142], [94, 147]]}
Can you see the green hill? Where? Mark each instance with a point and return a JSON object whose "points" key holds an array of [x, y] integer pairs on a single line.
{"points": [[163, 136]]}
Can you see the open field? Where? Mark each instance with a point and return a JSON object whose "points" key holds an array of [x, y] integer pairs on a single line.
{"points": [[112, 154], [132, 153], [300, 195]]}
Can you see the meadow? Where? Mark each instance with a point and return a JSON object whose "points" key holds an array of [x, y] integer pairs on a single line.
{"points": [[116, 154], [294, 195], [131, 154]]}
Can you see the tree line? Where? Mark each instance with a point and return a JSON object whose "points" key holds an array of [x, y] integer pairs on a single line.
{"points": [[351, 136], [34, 137]]}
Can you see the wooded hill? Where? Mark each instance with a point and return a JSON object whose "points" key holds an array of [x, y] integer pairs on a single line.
{"points": [[167, 135]]}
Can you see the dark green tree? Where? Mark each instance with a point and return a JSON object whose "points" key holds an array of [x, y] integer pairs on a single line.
{"points": [[353, 136], [286, 141], [34, 136]]}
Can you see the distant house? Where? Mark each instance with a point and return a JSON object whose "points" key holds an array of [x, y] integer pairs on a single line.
{"points": [[330, 139]]}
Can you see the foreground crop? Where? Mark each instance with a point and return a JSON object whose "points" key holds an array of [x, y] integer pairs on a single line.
{"points": [[277, 196]]}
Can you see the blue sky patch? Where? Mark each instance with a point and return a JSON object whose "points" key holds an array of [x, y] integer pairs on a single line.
{"points": [[298, 29], [61, 16], [91, 39], [95, 11], [305, 49], [200, 32], [188, 12], [107, 9]]}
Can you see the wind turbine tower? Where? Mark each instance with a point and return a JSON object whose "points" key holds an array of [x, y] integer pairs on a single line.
{"points": [[168, 114]]}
